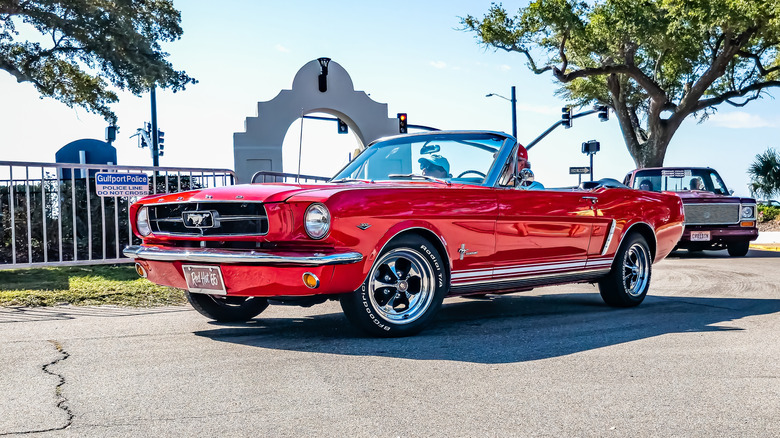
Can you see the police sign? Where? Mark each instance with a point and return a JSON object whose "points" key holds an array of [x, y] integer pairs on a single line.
{"points": [[121, 184]]}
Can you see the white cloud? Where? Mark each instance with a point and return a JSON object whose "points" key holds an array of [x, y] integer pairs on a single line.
{"points": [[438, 64], [282, 49], [738, 119], [504, 67]]}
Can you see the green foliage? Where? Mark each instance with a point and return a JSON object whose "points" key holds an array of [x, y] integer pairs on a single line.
{"points": [[767, 213], [765, 174], [88, 286], [88, 46], [654, 62]]}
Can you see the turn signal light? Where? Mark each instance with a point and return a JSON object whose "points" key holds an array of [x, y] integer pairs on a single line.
{"points": [[311, 281], [748, 224]]}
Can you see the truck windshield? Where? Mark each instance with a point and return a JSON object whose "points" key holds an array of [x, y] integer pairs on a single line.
{"points": [[680, 180]]}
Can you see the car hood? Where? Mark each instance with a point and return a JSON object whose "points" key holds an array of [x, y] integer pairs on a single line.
{"points": [[268, 193], [704, 197]]}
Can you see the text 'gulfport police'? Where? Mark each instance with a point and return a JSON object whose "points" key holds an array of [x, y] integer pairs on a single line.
{"points": [[126, 179]]}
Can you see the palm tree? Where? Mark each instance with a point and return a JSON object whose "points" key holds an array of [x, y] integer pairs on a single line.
{"points": [[765, 174]]}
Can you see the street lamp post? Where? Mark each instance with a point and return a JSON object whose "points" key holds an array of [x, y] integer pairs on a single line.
{"points": [[513, 100]]}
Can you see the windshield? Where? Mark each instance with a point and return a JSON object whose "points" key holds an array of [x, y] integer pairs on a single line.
{"points": [[680, 180], [460, 157]]}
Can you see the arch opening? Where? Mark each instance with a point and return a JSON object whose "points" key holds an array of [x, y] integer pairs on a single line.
{"points": [[322, 150]]}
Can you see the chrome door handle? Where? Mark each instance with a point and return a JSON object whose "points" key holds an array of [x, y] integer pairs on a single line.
{"points": [[592, 199]]}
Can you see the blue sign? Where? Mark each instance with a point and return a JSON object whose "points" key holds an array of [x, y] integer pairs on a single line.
{"points": [[121, 184]]}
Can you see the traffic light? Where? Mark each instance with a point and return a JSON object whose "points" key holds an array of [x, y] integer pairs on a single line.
{"points": [[343, 128], [160, 140], [402, 123], [566, 119], [591, 147], [111, 133], [143, 135], [603, 113]]}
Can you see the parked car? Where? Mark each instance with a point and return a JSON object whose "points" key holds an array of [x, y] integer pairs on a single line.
{"points": [[390, 243], [770, 203], [714, 219]]}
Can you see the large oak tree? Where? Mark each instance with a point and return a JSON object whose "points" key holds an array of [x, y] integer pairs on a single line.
{"points": [[77, 50], [654, 62]]}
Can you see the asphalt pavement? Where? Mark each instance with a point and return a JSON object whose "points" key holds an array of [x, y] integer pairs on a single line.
{"points": [[700, 357]]}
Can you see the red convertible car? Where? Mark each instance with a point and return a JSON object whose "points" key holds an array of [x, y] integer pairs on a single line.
{"points": [[412, 219]]}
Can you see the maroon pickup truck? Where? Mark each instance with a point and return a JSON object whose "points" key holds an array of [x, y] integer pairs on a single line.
{"points": [[713, 218]]}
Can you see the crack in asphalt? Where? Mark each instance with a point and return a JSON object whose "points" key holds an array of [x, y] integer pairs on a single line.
{"points": [[62, 401]]}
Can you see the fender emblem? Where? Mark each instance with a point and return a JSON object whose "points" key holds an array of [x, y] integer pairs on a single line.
{"points": [[364, 226], [464, 252]]}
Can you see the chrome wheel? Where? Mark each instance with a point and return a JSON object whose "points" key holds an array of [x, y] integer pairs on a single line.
{"points": [[401, 286], [636, 269]]}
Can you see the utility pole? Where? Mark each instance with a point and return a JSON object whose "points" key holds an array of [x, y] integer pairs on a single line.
{"points": [[155, 145], [513, 101], [514, 113]]}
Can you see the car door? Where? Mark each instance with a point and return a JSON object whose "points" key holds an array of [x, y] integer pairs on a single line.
{"points": [[542, 232]]}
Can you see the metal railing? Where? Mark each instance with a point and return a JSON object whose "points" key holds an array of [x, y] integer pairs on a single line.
{"points": [[50, 214], [269, 176]]}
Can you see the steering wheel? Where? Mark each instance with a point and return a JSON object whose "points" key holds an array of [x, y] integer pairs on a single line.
{"points": [[471, 171]]}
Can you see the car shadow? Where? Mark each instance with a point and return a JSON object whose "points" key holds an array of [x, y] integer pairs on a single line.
{"points": [[506, 329], [722, 254]]}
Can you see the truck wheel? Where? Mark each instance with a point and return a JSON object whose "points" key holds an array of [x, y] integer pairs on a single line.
{"points": [[627, 283], [739, 249], [402, 292], [227, 309]]}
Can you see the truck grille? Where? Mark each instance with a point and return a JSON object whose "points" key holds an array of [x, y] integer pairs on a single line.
{"points": [[226, 219], [711, 214]]}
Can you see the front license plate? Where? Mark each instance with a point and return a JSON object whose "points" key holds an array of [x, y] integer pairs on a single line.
{"points": [[700, 236], [204, 279]]}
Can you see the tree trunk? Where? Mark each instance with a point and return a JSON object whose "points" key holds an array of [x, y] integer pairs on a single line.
{"points": [[650, 153]]}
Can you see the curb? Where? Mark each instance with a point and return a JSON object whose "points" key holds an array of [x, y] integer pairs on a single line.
{"points": [[770, 247]]}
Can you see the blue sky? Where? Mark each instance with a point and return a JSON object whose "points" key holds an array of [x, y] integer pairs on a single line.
{"points": [[409, 55]]}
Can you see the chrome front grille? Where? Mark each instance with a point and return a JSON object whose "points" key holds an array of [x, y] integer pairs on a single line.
{"points": [[229, 219], [711, 214]]}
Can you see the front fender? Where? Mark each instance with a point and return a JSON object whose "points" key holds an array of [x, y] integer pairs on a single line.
{"points": [[427, 229]]}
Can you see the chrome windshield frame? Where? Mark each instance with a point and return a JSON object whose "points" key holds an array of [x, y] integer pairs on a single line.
{"points": [[493, 174]]}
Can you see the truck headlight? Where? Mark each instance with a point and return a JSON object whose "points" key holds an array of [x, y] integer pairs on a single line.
{"points": [[142, 222], [748, 212], [316, 221]]}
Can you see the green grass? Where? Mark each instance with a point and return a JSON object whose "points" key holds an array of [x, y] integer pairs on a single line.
{"points": [[84, 286]]}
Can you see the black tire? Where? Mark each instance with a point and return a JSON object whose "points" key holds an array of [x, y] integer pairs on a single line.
{"points": [[227, 309], [402, 292], [739, 249], [627, 283]]}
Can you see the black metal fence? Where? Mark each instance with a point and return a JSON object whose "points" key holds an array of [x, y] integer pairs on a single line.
{"points": [[50, 213]]}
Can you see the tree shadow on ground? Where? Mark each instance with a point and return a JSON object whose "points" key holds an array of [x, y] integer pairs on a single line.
{"points": [[505, 329]]}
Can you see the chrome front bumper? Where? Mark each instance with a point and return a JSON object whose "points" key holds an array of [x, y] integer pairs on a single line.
{"points": [[211, 255]]}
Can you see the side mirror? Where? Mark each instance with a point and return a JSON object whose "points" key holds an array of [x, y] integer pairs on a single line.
{"points": [[526, 176], [731, 192]]}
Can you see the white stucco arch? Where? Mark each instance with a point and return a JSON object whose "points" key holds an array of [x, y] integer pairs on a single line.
{"points": [[260, 146]]}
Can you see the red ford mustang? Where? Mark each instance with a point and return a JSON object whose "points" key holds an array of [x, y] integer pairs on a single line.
{"points": [[412, 219]]}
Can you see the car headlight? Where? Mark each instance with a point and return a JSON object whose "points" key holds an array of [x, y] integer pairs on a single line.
{"points": [[142, 222], [748, 212], [316, 221]]}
